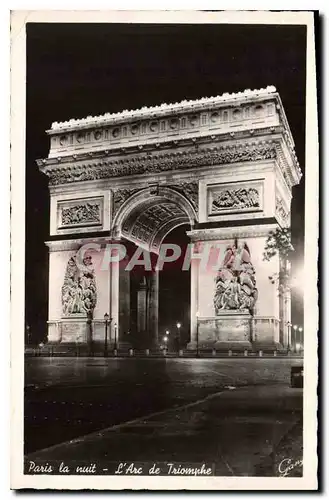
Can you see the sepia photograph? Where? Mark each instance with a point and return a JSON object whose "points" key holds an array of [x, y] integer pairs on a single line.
{"points": [[167, 255]]}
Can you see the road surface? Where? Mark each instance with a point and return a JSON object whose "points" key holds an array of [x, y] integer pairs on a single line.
{"points": [[68, 398]]}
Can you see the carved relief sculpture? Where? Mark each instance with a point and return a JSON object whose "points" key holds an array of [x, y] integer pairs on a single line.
{"points": [[84, 213], [239, 199], [120, 196], [190, 190], [235, 281], [79, 294]]}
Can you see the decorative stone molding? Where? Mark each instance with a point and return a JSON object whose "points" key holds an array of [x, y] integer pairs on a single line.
{"points": [[158, 163]]}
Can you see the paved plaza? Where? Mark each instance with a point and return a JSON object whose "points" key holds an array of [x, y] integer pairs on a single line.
{"points": [[236, 413]]}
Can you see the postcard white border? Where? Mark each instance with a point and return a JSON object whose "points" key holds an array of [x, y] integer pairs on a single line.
{"points": [[18, 67]]}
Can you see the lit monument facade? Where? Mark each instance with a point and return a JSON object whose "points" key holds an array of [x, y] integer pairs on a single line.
{"points": [[223, 165]]}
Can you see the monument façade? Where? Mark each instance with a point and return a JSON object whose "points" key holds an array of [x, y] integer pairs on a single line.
{"points": [[225, 166]]}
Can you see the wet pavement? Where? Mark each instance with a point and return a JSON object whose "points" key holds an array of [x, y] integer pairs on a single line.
{"points": [[234, 430], [67, 398]]}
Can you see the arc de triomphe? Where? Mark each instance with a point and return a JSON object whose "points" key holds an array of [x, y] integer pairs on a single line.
{"points": [[224, 165]]}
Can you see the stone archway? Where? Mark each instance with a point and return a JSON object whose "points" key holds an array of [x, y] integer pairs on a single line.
{"points": [[144, 220], [147, 216]]}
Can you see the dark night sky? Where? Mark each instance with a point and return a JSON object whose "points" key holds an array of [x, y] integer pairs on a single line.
{"points": [[76, 70]]}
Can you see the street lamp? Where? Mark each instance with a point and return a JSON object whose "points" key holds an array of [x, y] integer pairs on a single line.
{"points": [[178, 335], [115, 337], [300, 329], [165, 340], [28, 331], [295, 336], [197, 334], [40, 347], [106, 320], [289, 325]]}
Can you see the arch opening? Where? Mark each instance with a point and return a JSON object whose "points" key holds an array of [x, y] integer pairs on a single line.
{"points": [[151, 300], [175, 295], [147, 217]]}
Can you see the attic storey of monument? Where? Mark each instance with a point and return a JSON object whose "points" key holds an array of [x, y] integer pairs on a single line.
{"points": [[224, 166]]}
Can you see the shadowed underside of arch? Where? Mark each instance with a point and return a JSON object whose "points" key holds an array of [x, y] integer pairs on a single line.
{"points": [[146, 218]]}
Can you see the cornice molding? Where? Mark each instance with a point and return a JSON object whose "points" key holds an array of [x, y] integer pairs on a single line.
{"points": [[161, 110], [223, 233], [74, 244]]}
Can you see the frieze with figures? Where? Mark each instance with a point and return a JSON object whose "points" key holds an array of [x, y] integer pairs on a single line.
{"points": [[236, 199], [162, 162], [81, 214]]}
